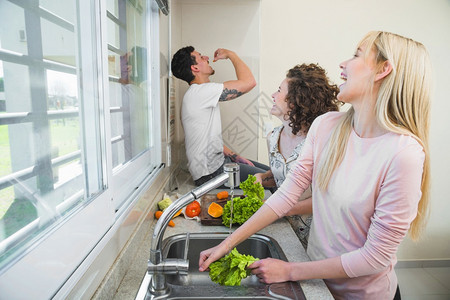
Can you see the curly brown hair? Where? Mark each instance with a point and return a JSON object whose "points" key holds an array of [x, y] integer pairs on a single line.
{"points": [[310, 94]]}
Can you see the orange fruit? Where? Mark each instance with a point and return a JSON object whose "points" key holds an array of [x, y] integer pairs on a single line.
{"points": [[158, 214], [178, 213], [215, 210], [222, 195]]}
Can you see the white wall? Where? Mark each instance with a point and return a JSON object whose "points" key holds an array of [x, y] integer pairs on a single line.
{"points": [[326, 32]]}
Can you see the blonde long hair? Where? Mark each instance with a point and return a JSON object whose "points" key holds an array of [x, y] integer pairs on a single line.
{"points": [[402, 106]]}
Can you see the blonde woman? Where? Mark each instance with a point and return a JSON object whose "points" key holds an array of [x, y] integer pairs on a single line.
{"points": [[369, 169]]}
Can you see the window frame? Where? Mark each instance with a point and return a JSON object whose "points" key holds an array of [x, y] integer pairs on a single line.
{"points": [[64, 252]]}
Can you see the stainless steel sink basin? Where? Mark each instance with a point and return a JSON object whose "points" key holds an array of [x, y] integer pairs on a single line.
{"points": [[198, 285]]}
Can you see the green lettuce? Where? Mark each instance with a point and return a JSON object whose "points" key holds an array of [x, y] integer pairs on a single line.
{"points": [[231, 269], [251, 188], [244, 208]]}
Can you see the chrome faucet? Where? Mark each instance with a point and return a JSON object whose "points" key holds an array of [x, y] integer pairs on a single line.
{"points": [[159, 267]]}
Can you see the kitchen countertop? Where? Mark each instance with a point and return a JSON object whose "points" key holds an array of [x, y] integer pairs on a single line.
{"points": [[280, 230]]}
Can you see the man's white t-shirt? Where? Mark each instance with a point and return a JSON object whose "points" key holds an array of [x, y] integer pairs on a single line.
{"points": [[200, 115]]}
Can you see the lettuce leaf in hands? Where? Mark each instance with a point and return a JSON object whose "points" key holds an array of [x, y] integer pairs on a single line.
{"points": [[231, 269]]}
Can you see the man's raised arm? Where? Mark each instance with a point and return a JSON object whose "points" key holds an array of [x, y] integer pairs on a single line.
{"points": [[245, 80]]}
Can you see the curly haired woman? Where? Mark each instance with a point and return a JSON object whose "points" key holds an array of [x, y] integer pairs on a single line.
{"points": [[303, 95]]}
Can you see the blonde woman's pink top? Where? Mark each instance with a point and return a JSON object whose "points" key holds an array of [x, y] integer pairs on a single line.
{"points": [[366, 211]]}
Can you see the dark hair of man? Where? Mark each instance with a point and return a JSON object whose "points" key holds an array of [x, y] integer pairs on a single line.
{"points": [[310, 94], [182, 62]]}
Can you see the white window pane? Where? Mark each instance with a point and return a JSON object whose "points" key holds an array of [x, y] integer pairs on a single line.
{"points": [[58, 43], [113, 33], [112, 7], [14, 37], [128, 95], [62, 9], [44, 134]]}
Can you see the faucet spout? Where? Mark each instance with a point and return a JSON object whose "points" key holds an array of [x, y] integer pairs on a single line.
{"points": [[163, 221], [230, 177]]}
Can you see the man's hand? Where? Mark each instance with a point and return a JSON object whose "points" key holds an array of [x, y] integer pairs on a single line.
{"points": [[245, 80], [243, 160], [235, 157], [222, 54]]}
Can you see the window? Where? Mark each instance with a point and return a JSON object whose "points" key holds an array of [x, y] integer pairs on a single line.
{"points": [[129, 88], [78, 119]]}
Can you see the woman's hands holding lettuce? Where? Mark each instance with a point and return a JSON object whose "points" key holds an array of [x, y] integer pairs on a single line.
{"points": [[231, 269], [213, 254]]}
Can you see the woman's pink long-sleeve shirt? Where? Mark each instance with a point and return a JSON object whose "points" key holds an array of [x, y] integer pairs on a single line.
{"points": [[365, 213]]}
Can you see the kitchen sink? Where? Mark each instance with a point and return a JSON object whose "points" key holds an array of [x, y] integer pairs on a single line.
{"points": [[198, 285]]}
